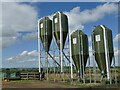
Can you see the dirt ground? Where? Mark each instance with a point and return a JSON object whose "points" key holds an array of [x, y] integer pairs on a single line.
{"points": [[46, 84], [35, 84]]}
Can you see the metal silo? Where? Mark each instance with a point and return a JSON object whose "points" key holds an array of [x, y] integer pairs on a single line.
{"points": [[60, 27], [79, 48], [46, 32], [103, 48], [60, 24]]}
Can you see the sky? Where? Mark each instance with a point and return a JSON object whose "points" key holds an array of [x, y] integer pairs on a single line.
{"points": [[19, 27]]}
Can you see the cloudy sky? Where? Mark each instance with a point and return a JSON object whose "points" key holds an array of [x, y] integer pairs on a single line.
{"points": [[18, 40]]}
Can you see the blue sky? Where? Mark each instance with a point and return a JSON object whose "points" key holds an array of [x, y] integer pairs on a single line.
{"points": [[19, 21]]}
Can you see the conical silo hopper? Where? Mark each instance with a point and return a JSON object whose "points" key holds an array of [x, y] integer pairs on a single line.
{"points": [[46, 32], [79, 49], [60, 24], [103, 47]]}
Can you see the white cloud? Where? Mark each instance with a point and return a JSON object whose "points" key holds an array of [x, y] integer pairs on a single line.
{"points": [[117, 38], [89, 39], [117, 53], [33, 53], [7, 41], [11, 58], [24, 56], [17, 17], [30, 36], [23, 53], [25, 59], [90, 48], [78, 18], [117, 57]]}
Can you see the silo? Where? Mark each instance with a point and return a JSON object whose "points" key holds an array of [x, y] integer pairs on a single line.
{"points": [[60, 24], [79, 49], [103, 48], [60, 27], [46, 32]]}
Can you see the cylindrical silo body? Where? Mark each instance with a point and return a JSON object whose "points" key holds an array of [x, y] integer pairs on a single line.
{"points": [[60, 25], [103, 47], [79, 48], [46, 32]]}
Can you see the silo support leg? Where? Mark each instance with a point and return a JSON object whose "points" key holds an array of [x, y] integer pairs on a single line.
{"points": [[47, 66], [89, 70], [54, 71]]}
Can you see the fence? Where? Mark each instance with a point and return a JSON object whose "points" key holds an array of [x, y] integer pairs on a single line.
{"points": [[29, 76]]}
